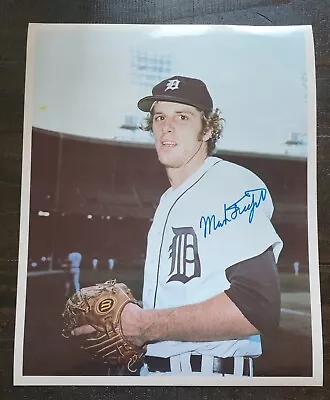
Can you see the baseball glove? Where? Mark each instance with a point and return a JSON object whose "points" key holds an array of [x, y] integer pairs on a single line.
{"points": [[101, 306]]}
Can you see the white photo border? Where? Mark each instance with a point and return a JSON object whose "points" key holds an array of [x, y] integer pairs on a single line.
{"points": [[317, 354]]}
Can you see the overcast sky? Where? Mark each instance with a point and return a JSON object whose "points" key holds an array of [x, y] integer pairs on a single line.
{"points": [[84, 79]]}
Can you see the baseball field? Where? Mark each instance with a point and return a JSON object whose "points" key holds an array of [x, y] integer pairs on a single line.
{"points": [[287, 352]]}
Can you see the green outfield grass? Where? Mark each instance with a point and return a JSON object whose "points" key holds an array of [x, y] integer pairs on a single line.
{"points": [[295, 304], [296, 324], [290, 283], [297, 301], [132, 277]]}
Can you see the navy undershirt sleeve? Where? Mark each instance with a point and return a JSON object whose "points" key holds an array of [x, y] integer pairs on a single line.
{"points": [[254, 289]]}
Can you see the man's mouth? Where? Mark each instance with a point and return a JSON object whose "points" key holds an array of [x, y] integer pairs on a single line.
{"points": [[168, 143]]}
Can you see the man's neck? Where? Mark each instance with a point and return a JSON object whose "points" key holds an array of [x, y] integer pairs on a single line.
{"points": [[177, 176]]}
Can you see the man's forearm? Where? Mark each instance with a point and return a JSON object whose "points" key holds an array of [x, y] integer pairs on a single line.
{"points": [[215, 319]]}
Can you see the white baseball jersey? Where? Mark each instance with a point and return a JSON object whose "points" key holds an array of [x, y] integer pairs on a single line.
{"points": [[75, 259], [111, 263], [219, 216]]}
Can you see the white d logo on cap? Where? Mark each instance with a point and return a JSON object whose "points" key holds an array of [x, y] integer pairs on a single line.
{"points": [[172, 84]]}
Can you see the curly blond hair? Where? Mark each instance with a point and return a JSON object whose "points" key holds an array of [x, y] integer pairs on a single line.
{"points": [[211, 120]]}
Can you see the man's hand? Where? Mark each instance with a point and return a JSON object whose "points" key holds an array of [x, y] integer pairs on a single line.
{"points": [[131, 321]]}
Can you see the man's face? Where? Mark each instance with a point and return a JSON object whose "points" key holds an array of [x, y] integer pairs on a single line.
{"points": [[177, 131]]}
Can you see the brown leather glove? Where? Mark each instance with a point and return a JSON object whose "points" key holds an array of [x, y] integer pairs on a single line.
{"points": [[101, 306]]}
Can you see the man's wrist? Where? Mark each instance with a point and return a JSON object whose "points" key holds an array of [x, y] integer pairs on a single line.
{"points": [[150, 325]]}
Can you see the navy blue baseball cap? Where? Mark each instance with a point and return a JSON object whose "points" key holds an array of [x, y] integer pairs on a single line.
{"points": [[179, 89]]}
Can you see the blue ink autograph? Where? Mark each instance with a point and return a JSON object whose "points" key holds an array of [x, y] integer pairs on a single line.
{"points": [[253, 197]]}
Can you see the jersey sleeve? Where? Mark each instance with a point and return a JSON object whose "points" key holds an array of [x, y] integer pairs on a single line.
{"points": [[254, 289]]}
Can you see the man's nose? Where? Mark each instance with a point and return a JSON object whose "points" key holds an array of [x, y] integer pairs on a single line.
{"points": [[167, 126]]}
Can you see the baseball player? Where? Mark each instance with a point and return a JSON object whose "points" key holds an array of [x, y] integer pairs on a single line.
{"points": [[210, 280], [75, 260], [111, 263], [95, 262], [296, 265]]}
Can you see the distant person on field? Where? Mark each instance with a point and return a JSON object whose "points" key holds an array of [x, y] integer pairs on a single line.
{"points": [[296, 265], [111, 262], [75, 260], [95, 263]]}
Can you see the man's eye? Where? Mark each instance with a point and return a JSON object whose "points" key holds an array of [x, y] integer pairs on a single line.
{"points": [[159, 118], [183, 117]]}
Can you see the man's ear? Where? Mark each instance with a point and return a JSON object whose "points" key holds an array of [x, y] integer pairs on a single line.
{"points": [[207, 135]]}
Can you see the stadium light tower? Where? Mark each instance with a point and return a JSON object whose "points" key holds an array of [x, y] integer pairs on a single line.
{"points": [[147, 69], [296, 141]]}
